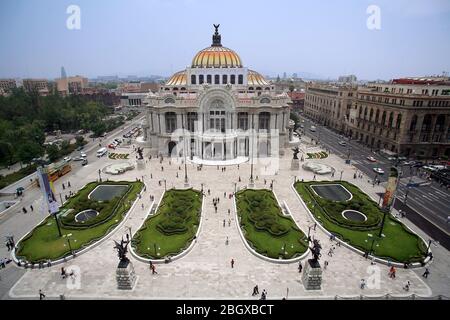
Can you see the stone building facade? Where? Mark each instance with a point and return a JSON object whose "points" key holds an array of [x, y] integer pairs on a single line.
{"points": [[217, 102]]}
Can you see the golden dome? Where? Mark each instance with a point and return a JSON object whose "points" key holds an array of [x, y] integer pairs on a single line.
{"points": [[216, 57], [178, 79], [255, 79]]}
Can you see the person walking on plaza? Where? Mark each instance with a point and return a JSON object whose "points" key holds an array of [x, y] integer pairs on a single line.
{"points": [[255, 290], [24, 210], [41, 295], [362, 284], [426, 273], [153, 269], [407, 286], [232, 263], [31, 208], [229, 222], [264, 295], [392, 273], [224, 223], [300, 267]]}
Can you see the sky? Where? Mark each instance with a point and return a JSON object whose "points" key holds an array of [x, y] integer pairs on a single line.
{"points": [[324, 38]]}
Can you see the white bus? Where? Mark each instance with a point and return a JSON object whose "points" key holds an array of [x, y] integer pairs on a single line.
{"points": [[101, 152]]}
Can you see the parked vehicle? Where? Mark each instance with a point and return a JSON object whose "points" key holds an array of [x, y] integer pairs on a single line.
{"points": [[313, 128], [85, 162], [67, 159], [343, 143], [371, 159]]}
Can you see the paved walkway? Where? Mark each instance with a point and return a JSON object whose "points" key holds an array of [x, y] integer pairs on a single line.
{"points": [[205, 272]]}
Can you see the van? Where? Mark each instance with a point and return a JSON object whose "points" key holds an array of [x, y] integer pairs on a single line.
{"points": [[101, 152]]}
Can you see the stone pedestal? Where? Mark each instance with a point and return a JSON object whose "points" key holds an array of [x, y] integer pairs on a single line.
{"points": [[295, 164], [312, 275], [140, 164], [125, 275]]}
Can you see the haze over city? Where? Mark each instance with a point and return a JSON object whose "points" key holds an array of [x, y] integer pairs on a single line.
{"points": [[322, 40]]}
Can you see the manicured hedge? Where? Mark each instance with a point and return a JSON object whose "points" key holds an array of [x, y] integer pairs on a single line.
{"points": [[398, 244], [172, 228], [265, 228], [44, 243]]}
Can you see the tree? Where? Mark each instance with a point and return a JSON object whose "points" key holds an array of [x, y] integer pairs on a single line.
{"points": [[29, 150], [79, 141], [53, 152]]}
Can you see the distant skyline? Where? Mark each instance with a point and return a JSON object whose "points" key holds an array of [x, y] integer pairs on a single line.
{"points": [[160, 37]]}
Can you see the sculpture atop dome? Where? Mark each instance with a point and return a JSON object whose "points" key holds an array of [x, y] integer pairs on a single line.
{"points": [[216, 37]]}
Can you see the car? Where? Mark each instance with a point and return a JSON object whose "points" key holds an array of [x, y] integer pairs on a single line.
{"points": [[67, 159], [342, 143], [78, 159], [85, 162], [111, 146], [80, 148], [302, 126], [392, 158], [83, 155], [378, 170], [371, 159]]}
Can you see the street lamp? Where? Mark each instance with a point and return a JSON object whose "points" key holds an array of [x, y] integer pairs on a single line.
{"points": [[67, 236], [431, 241], [129, 230], [235, 187], [165, 186], [186, 181], [251, 154], [99, 175], [342, 171]]}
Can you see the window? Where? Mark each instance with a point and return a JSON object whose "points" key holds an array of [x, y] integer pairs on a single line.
{"points": [[232, 79], [224, 79], [201, 79], [171, 121], [240, 79], [191, 119], [193, 79], [243, 120], [169, 101], [264, 121], [208, 79], [216, 79]]}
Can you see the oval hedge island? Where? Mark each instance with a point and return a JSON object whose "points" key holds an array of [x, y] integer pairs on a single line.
{"points": [[265, 228], [399, 244], [172, 228], [44, 243]]}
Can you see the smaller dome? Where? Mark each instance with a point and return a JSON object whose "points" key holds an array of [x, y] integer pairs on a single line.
{"points": [[178, 79], [255, 79]]}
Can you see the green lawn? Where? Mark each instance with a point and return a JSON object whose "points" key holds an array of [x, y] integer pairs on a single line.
{"points": [[398, 245], [265, 228], [172, 228], [44, 242]]}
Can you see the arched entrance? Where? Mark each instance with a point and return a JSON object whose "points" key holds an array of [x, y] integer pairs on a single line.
{"points": [[171, 145]]}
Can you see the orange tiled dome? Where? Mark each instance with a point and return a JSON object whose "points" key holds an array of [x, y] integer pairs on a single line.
{"points": [[216, 57]]}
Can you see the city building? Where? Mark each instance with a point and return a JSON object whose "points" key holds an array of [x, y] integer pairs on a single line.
{"points": [[329, 104], [348, 79], [6, 85], [39, 85], [218, 101], [71, 85], [298, 101], [409, 116], [132, 99]]}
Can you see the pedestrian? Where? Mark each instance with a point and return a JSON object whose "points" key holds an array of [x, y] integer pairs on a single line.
{"points": [[209, 192], [227, 241], [229, 222], [8, 245], [31, 207], [392, 272], [215, 208], [264, 295], [224, 223], [63, 273], [41, 295], [24, 210], [232, 263], [68, 183], [63, 186], [362, 284], [407, 285], [255, 290], [325, 265], [229, 211], [426, 273], [142, 206], [300, 267], [224, 194], [153, 269]]}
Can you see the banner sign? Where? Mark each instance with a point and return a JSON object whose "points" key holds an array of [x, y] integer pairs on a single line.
{"points": [[47, 190], [391, 187]]}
